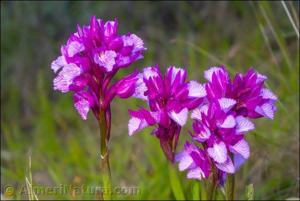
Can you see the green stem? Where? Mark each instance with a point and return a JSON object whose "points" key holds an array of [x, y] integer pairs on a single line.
{"points": [[105, 168], [175, 183], [212, 185], [230, 187], [211, 189]]}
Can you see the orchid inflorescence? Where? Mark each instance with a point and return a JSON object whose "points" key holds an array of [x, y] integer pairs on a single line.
{"points": [[169, 98], [221, 108], [221, 122], [90, 59]]}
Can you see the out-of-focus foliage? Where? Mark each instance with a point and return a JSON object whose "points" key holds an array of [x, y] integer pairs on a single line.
{"points": [[37, 121]]}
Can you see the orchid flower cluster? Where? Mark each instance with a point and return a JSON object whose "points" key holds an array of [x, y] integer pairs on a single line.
{"points": [[221, 108], [221, 122], [169, 98], [89, 61]]}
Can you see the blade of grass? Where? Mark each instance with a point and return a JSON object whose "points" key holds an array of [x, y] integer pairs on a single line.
{"points": [[290, 18], [273, 28], [175, 183], [280, 75], [250, 192], [196, 191], [30, 191], [294, 13]]}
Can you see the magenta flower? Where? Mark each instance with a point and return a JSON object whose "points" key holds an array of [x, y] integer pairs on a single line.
{"points": [[89, 60], [194, 160], [246, 93], [169, 98], [220, 124], [222, 135]]}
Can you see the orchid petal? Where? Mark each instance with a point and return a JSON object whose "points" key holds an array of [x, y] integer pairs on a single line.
{"points": [[180, 117], [74, 47], [82, 107], [184, 159], [135, 124], [226, 103], [229, 122], [65, 77], [195, 173], [268, 94], [196, 89], [227, 166], [267, 110], [208, 73], [243, 125], [218, 152], [242, 148], [58, 63], [238, 160], [106, 59], [150, 72], [140, 88]]}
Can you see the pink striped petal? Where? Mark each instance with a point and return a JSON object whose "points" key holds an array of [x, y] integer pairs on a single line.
{"points": [[196, 89], [74, 47], [184, 159], [137, 42], [242, 148], [180, 117], [82, 107], [140, 88], [110, 28], [135, 124], [267, 110], [65, 77], [260, 78], [203, 136], [195, 173], [218, 152], [58, 63], [150, 72], [227, 166], [268, 94], [196, 113], [229, 122], [106, 59], [243, 125], [208, 73], [226, 103], [175, 71]]}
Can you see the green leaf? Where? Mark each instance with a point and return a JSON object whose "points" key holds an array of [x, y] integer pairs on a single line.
{"points": [[250, 192], [196, 191], [175, 183]]}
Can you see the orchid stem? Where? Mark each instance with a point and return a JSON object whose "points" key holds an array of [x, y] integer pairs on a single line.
{"points": [[105, 168], [211, 189], [230, 187], [212, 185]]}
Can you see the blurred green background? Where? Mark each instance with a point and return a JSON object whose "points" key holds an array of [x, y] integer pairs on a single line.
{"points": [[42, 124]]}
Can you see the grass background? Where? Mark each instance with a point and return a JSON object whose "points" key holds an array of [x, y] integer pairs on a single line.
{"points": [[40, 123]]}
